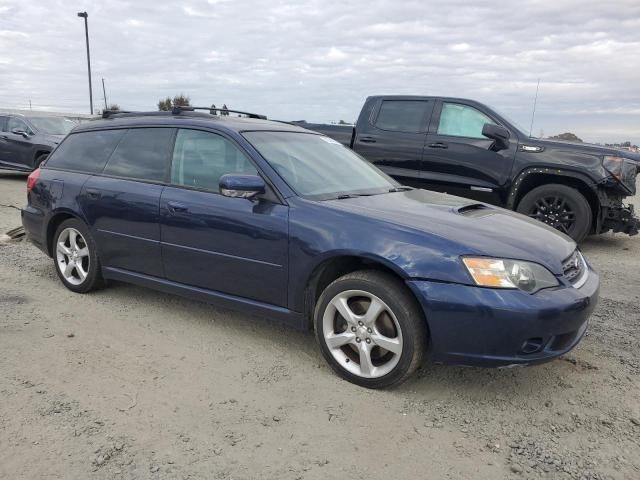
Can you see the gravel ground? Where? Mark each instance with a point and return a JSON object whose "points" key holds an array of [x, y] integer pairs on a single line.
{"points": [[130, 383]]}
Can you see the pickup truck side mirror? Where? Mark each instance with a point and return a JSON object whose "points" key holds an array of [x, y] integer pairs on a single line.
{"points": [[498, 134], [241, 186], [18, 131]]}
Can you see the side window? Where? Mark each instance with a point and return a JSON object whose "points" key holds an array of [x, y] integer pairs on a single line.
{"points": [[85, 151], [143, 153], [201, 158], [462, 121], [3, 124], [403, 115], [17, 123]]}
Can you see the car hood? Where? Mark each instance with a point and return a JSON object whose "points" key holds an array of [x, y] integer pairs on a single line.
{"points": [[54, 139], [585, 147], [478, 228]]}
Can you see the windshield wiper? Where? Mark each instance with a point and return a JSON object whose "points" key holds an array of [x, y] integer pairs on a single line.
{"points": [[400, 189], [353, 195]]}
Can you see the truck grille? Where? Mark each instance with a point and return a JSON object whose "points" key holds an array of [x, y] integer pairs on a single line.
{"points": [[574, 269]]}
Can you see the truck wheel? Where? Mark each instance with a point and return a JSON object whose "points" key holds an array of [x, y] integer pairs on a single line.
{"points": [[39, 159], [560, 206], [370, 329]]}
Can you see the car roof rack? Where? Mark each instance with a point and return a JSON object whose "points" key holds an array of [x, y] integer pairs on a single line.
{"points": [[179, 110]]}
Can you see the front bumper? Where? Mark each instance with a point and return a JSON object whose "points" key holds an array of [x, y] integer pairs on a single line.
{"points": [[487, 327]]}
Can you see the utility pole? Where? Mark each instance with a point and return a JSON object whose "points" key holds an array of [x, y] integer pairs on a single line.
{"points": [[85, 15], [104, 92]]}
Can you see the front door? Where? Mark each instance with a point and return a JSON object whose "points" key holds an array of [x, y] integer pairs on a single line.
{"points": [[230, 245], [393, 138], [17, 148], [458, 159]]}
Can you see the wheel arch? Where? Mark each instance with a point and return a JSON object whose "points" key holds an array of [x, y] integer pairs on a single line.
{"points": [[54, 222], [339, 264], [532, 178]]}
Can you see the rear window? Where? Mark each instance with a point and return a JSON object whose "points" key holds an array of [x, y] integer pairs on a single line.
{"points": [[403, 115], [85, 151], [142, 154]]}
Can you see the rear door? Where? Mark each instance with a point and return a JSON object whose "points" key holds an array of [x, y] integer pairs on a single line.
{"points": [[122, 205], [231, 245], [393, 137], [457, 157]]}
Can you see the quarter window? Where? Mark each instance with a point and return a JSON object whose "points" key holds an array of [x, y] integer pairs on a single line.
{"points": [[403, 115], [143, 154], [201, 158], [85, 151], [462, 121]]}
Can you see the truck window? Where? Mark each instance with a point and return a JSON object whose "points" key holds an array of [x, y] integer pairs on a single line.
{"points": [[403, 115], [462, 121]]}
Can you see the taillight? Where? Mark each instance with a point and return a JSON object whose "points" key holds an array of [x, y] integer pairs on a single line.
{"points": [[32, 179]]}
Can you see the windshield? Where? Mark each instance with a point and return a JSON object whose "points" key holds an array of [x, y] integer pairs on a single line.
{"points": [[52, 125], [318, 167]]}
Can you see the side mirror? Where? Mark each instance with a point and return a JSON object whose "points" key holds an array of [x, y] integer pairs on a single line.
{"points": [[17, 131], [498, 134], [241, 186]]}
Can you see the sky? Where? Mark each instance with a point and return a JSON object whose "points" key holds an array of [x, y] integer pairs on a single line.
{"points": [[319, 59]]}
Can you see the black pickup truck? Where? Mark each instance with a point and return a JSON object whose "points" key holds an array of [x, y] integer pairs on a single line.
{"points": [[465, 148]]}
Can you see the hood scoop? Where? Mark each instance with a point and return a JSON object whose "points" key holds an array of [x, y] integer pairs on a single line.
{"points": [[475, 210]]}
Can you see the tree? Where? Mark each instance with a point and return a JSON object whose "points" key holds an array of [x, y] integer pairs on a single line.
{"points": [[342, 122], [568, 137], [225, 110], [114, 106], [178, 101]]}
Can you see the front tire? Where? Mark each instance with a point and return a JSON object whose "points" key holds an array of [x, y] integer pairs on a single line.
{"points": [[561, 207], [75, 257], [370, 329]]}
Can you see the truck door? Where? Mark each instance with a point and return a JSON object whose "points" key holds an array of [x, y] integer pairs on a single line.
{"points": [[457, 157], [393, 137]]}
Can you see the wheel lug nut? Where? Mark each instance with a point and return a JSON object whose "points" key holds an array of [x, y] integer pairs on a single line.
{"points": [[353, 329], [368, 340], [369, 330], [360, 323], [358, 340]]}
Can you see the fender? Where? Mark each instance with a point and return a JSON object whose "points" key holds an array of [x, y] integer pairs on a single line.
{"points": [[515, 186]]}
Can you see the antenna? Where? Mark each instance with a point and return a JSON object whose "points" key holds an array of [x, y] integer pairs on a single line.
{"points": [[533, 114]]}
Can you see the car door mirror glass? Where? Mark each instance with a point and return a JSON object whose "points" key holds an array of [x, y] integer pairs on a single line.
{"points": [[498, 134], [241, 186]]}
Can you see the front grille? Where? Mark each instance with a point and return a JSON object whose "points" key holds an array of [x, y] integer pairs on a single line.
{"points": [[574, 268]]}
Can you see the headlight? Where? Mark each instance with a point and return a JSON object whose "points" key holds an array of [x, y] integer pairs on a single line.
{"points": [[623, 169], [501, 273]]}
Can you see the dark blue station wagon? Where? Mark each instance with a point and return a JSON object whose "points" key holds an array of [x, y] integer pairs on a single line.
{"points": [[278, 221]]}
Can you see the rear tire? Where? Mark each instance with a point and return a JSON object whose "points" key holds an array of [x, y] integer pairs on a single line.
{"points": [[76, 258], [561, 207], [370, 329]]}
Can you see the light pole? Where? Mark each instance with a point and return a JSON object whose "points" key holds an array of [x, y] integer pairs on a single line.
{"points": [[85, 15]]}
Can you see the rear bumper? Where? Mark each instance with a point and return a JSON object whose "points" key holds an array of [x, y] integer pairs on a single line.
{"points": [[33, 222], [496, 328]]}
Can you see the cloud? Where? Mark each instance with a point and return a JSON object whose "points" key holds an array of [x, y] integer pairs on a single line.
{"points": [[319, 59]]}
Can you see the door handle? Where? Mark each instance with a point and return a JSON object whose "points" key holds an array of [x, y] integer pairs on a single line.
{"points": [[175, 207], [438, 145], [367, 140], [92, 193]]}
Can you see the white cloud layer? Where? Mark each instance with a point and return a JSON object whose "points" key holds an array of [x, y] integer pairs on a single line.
{"points": [[319, 59]]}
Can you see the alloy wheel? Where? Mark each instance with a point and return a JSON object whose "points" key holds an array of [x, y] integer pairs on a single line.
{"points": [[72, 256], [362, 334], [554, 211]]}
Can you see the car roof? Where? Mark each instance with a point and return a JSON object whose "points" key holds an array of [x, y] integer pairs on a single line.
{"points": [[191, 119]]}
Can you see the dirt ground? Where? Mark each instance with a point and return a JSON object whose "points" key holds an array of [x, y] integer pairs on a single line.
{"points": [[131, 383]]}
